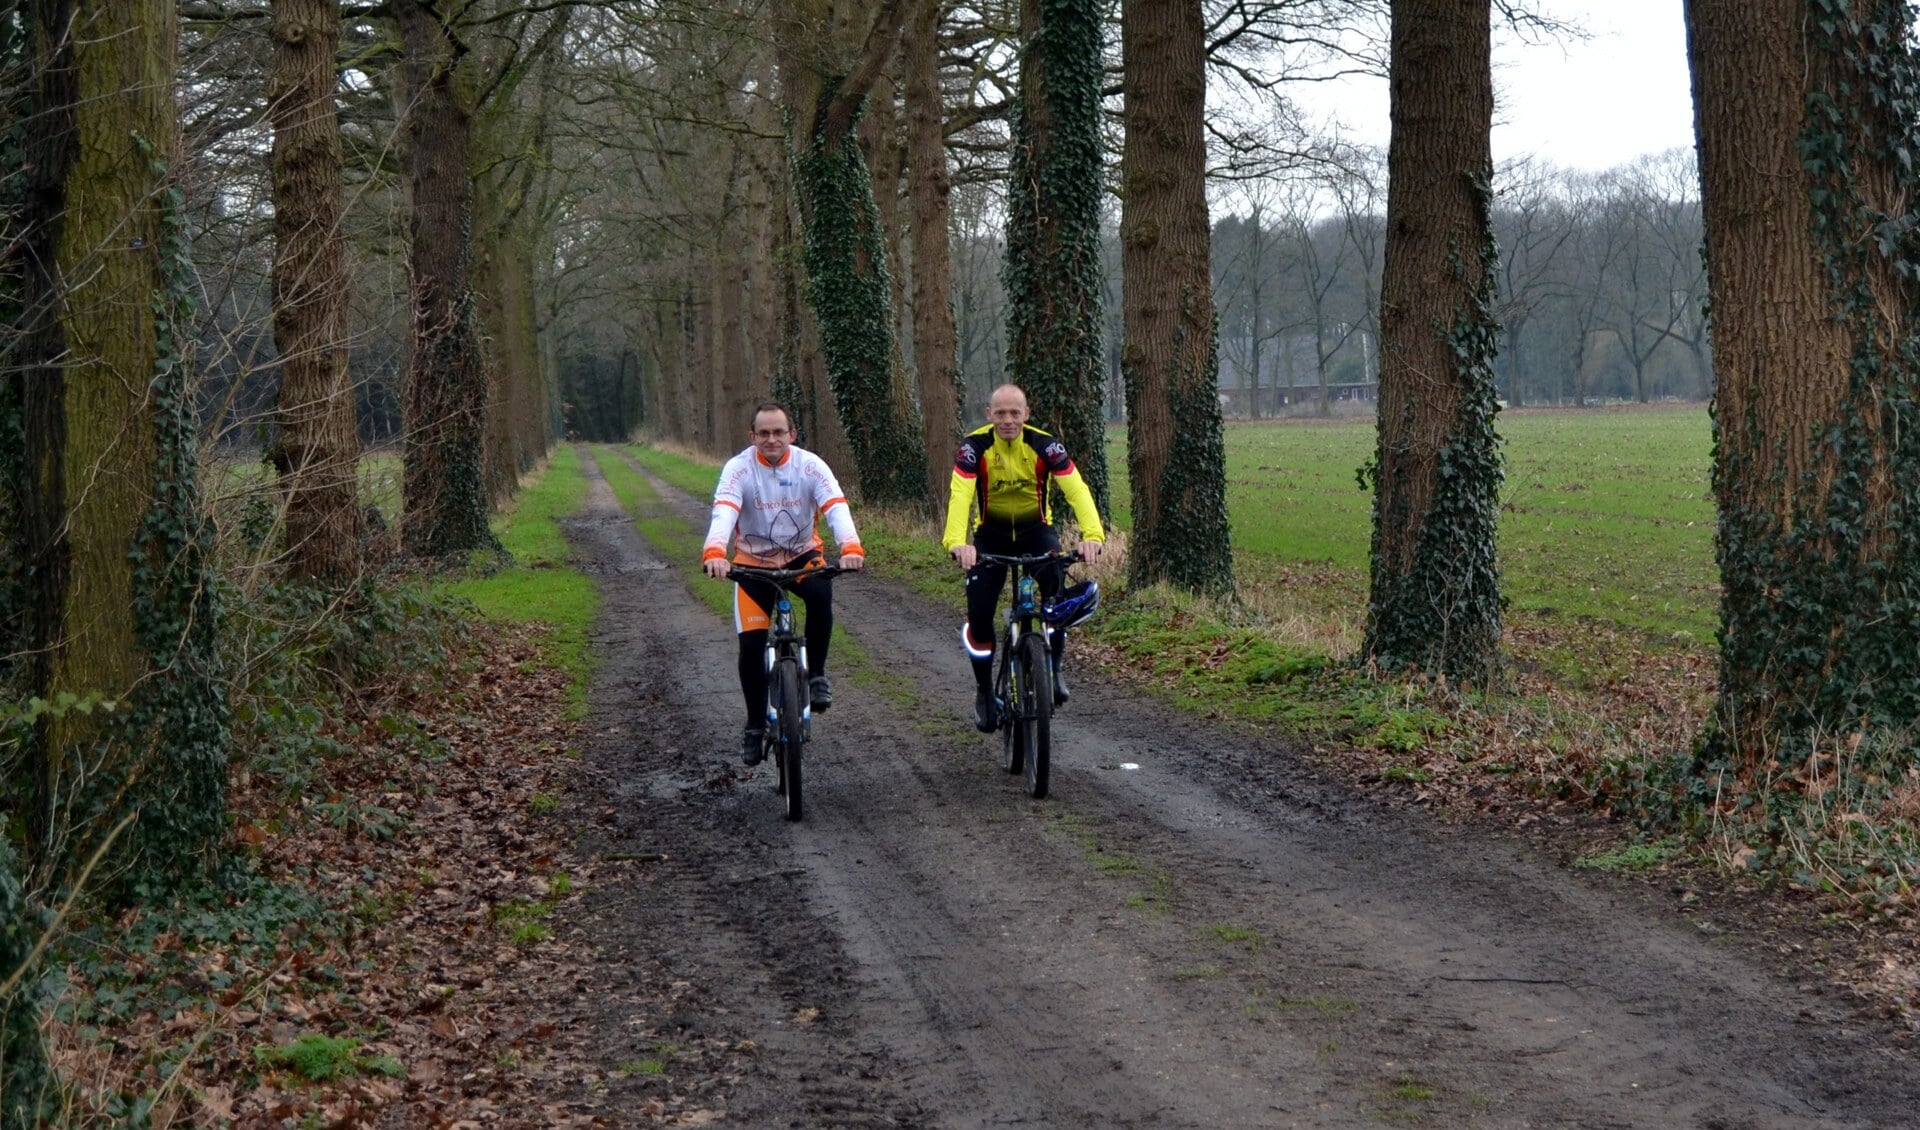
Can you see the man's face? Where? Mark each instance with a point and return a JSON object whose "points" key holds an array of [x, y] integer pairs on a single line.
{"points": [[1007, 411], [771, 434]]}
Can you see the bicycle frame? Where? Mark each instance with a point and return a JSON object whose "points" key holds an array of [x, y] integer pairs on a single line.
{"points": [[783, 640], [1023, 608]]}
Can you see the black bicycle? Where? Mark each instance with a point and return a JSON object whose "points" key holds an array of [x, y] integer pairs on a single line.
{"points": [[789, 712], [1023, 681]]}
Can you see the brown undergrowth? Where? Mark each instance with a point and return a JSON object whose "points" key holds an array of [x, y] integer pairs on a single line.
{"points": [[376, 973]]}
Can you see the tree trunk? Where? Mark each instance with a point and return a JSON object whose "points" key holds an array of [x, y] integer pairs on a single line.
{"points": [[1435, 583], [120, 603], [504, 295], [500, 459], [663, 402], [727, 299], [1053, 231], [702, 358], [762, 314], [934, 339], [444, 482], [1803, 127], [317, 440], [1176, 454], [732, 377], [763, 285]]}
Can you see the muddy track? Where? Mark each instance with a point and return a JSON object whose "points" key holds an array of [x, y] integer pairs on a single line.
{"points": [[1194, 930]]}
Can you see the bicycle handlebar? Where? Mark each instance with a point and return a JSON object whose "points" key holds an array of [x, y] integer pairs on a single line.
{"points": [[782, 577], [1030, 560]]}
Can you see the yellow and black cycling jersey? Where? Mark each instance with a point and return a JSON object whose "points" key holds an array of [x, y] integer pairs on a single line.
{"points": [[1003, 483]]}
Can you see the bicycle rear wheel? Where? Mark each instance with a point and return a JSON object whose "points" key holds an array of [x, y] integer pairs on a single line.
{"points": [[1036, 711], [791, 688]]}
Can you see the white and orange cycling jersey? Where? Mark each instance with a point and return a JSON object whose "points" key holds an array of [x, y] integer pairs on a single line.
{"points": [[771, 513]]}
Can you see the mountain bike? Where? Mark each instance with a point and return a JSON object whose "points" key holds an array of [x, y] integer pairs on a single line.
{"points": [[1023, 681], [789, 713]]}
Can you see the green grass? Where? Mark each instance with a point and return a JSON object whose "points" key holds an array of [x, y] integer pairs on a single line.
{"points": [[321, 1059], [1606, 514], [525, 920], [538, 586], [695, 476], [1633, 857], [1231, 934], [379, 473], [1329, 1008]]}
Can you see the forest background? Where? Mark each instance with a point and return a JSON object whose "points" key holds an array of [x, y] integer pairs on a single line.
{"points": [[346, 273]]}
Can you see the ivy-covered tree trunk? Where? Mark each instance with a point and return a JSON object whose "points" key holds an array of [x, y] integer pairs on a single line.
{"points": [[316, 444], [1176, 453], [935, 338], [800, 376], [1807, 112], [1434, 602], [848, 284], [119, 601], [1053, 231], [443, 484]]}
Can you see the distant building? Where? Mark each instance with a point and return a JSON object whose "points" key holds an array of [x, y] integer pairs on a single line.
{"points": [[1289, 381]]}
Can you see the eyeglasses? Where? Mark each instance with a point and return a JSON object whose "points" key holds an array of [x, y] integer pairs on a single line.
{"points": [[770, 435]]}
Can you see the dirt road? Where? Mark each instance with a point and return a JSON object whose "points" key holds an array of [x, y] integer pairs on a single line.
{"points": [[1193, 931]]}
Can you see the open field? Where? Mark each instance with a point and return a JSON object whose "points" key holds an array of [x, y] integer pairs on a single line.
{"points": [[1607, 516], [1607, 513]]}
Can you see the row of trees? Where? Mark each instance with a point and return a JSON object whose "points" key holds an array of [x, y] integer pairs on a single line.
{"points": [[253, 231], [1601, 287], [243, 174]]}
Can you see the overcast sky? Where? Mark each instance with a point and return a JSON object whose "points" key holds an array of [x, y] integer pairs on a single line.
{"points": [[1590, 104]]}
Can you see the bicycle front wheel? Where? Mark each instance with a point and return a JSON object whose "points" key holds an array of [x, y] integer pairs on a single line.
{"points": [[791, 688], [1013, 740], [1036, 711]]}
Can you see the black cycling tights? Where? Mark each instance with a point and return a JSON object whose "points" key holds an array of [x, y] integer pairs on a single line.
{"points": [[816, 593]]}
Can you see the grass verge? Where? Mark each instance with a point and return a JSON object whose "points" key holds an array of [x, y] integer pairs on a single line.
{"points": [[538, 586]]}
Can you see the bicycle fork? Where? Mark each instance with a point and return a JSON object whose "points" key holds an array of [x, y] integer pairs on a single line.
{"points": [[783, 632]]}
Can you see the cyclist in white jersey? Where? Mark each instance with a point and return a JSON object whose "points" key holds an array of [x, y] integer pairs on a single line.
{"points": [[767, 504]]}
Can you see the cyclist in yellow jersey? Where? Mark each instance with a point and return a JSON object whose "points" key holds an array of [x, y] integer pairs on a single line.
{"points": [[998, 497]]}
